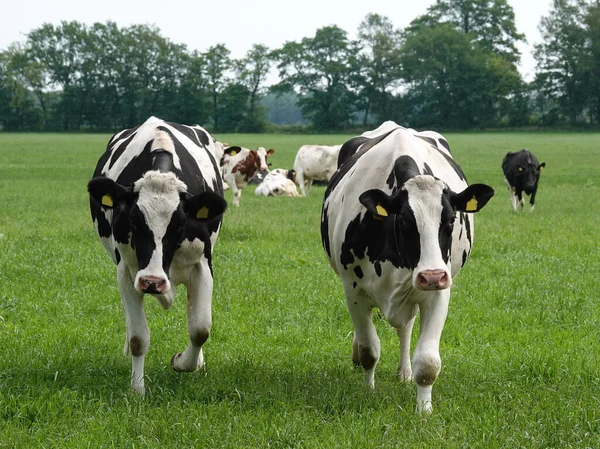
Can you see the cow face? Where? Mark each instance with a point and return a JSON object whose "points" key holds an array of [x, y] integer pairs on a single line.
{"points": [[530, 175], [422, 215], [153, 218], [260, 158]]}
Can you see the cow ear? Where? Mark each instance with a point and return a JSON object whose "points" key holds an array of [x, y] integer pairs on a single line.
{"points": [[542, 166], [472, 199], [206, 206], [378, 203], [270, 152], [232, 151], [107, 193]]}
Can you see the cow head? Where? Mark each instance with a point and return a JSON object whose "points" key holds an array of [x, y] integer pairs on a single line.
{"points": [[260, 158], [153, 217], [530, 175], [423, 214]]}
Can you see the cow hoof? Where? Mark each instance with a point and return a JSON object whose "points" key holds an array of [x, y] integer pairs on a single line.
{"points": [[405, 375], [173, 360]]}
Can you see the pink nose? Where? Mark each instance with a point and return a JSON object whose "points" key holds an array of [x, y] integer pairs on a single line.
{"points": [[152, 284], [433, 280]]}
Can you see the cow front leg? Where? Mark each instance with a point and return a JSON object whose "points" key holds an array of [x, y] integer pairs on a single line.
{"points": [[365, 342], [532, 200], [404, 335], [426, 359], [512, 194], [230, 180], [138, 334], [300, 181], [199, 319]]}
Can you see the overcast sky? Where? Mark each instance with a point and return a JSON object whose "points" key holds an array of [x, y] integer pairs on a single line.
{"points": [[241, 23]]}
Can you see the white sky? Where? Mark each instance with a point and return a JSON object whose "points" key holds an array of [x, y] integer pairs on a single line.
{"points": [[241, 23]]}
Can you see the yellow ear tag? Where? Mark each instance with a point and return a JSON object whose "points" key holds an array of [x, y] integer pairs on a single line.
{"points": [[381, 210], [202, 213], [107, 201], [471, 205], [542, 167], [233, 153], [520, 168]]}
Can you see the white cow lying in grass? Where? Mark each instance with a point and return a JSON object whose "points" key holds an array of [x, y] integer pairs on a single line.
{"points": [[277, 183]]}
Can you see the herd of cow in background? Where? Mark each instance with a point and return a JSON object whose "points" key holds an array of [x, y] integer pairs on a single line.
{"points": [[396, 226]]}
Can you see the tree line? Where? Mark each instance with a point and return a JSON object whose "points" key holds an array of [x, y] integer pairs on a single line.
{"points": [[455, 67]]}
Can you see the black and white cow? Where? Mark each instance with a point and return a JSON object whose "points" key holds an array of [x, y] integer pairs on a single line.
{"points": [[397, 227], [156, 199], [522, 174]]}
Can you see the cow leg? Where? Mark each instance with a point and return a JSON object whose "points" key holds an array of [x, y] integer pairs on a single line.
{"points": [[365, 343], [199, 319], [512, 194], [230, 180], [300, 181], [404, 334], [138, 334], [532, 200], [521, 200], [308, 185], [426, 359]]}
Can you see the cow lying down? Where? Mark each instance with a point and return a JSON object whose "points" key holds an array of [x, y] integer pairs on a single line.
{"points": [[397, 227], [277, 183]]}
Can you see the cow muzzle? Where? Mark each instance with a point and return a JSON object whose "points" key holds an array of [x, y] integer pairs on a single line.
{"points": [[433, 280], [152, 285]]}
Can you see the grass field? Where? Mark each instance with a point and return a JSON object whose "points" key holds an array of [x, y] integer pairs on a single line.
{"points": [[520, 350]]}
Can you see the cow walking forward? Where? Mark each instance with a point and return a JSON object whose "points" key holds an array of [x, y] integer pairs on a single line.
{"points": [[396, 225], [156, 200], [522, 174]]}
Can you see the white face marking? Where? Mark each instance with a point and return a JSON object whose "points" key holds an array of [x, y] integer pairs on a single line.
{"points": [[425, 200], [262, 156], [158, 200]]}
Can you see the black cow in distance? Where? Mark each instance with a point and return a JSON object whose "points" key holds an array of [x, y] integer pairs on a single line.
{"points": [[522, 174]]}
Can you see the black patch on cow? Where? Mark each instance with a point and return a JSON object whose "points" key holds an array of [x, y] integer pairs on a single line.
{"points": [[404, 169], [136, 167], [427, 170], [162, 161], [445, 144], [116, 154], [142, 237], [453, 164], [98, 216], [349, 148], [377, 266], [446, 227], [465, 255], [468, 228], [117, 256], [431, 141], [173, 237], [354, 285], [358, 272], [325, 230]]}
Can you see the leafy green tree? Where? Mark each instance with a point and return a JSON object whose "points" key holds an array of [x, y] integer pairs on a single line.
{"points": [[317, 69], [563, 60], [216, 69], [378, 64], [251, 72]]}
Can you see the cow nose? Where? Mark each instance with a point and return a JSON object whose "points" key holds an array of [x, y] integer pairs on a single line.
{"points": [[433, 280], [152, 284]]}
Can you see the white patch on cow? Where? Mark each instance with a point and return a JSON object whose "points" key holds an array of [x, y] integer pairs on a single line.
{"points": [[158, 200], [262, 157], [425, 199]]}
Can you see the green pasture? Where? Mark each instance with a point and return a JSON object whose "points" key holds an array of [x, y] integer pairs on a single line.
{"points": [[520, 350]]}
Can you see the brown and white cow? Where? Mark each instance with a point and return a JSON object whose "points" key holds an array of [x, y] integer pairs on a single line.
{"points": [[239, 165], [315, 163]]}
